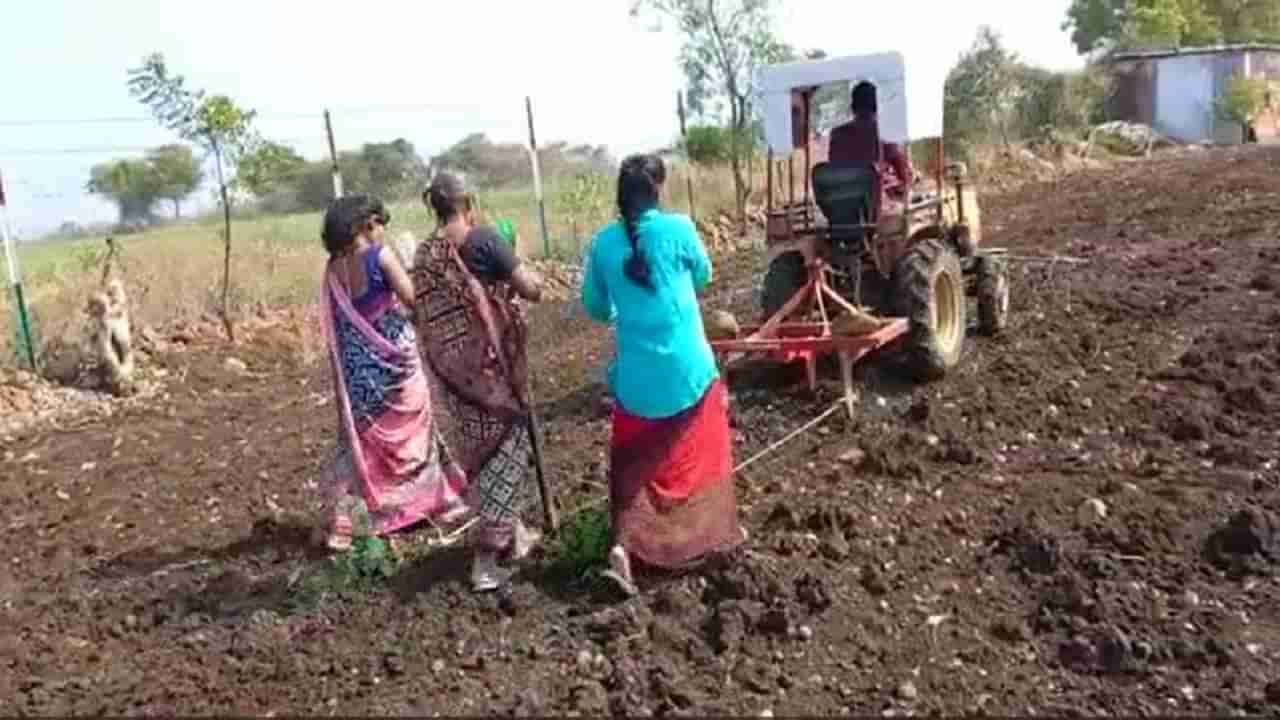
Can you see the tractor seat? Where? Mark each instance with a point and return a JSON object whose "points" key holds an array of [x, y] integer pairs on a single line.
{"points": [[847, 196]]}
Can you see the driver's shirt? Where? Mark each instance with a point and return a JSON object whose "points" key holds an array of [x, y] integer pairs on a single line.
{"points": [[855, 143]]}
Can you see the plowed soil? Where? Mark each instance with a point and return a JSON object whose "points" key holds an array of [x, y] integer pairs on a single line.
{"points": [[1084, 518]]}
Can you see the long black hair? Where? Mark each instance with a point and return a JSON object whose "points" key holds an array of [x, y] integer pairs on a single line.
{"points": [[345, 220], [640, 180]]}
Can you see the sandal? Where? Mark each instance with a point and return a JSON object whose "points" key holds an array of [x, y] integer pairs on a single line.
{"points": [[486, 576]]}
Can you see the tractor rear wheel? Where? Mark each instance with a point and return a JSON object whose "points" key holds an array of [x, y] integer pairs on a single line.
{"points": [[786, 275], [993, 294], [928, 290]]}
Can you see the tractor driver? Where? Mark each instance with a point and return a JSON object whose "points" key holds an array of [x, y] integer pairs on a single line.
{"points": [[855, 143]]}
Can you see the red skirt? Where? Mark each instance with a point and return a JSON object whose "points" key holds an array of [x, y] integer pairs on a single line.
{"points": [[671, 492]]}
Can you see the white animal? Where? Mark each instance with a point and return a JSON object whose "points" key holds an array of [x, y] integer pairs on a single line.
{"points": [[110, 337]]}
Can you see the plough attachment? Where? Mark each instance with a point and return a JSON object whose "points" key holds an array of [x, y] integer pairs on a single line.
{"points": [[852, 334]]}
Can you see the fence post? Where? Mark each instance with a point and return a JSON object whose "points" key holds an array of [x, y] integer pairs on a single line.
{"points": [[333, 155], [15, 279], [684, 135], [537, 179]]}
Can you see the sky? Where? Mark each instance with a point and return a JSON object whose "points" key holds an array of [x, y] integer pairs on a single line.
{"points": [[430, 72]]}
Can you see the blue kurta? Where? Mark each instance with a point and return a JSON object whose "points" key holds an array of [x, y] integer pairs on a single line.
{"points": [[664, 364]]}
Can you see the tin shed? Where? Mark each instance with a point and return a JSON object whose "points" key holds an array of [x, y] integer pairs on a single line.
{"points": [[1174, 91]]}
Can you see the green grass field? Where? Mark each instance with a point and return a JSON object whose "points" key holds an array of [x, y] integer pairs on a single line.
{"points": [[174, 272]]}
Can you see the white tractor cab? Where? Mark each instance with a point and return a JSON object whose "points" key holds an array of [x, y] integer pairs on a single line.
{"points": [[914, 256]]}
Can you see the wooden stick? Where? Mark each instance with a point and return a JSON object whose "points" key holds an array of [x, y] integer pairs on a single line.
{"points": [[1050, 259], [108, 259], [550, 518]]}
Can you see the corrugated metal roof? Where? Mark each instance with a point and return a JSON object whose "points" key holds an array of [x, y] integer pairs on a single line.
{"points": [[1205, 50]]}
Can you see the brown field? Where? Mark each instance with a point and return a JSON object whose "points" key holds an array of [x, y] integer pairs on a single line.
{"points": [[155, 558]]}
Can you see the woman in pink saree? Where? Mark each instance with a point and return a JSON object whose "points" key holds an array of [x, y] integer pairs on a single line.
{"points": [[391, 463]]}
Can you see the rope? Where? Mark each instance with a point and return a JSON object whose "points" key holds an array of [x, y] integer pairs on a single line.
{"points": [[790, 436], [744, 464]]}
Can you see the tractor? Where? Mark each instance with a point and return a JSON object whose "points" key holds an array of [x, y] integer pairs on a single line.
{"points": [[880, 271]]}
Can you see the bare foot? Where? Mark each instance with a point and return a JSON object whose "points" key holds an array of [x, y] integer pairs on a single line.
{"points": [[619, 571]]}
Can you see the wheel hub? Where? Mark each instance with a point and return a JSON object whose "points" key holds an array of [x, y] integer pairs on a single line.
{"points": [[945, 311]]}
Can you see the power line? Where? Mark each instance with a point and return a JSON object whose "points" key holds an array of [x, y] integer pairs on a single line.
{"points": [[313, 115], [109, 150]]}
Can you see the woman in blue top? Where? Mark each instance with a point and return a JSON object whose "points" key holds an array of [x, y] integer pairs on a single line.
{"points": [[671, 454]]}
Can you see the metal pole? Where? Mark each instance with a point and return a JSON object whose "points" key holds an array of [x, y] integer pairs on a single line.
{"points": [[15, 279], [537, 179], [693, 213], [808, 160], [333, 155]]}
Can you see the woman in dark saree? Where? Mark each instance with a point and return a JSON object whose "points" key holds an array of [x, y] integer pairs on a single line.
{"points": [[472, 334]]}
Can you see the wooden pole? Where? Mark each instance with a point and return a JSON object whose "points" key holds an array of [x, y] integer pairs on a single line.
{"points": [[15, 279], [684, 135], [768, 179], [537, 179], [938, 178], [791, 180], [333, 155]]}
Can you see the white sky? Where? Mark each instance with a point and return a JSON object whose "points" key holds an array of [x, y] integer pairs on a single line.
{"points": [[595, 74]]}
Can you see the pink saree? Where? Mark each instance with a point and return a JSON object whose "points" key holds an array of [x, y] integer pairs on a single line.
{"points": [[391, 462]]}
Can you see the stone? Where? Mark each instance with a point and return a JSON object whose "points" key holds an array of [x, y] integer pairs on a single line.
{"points": [[854, 457], [1091, 512]]}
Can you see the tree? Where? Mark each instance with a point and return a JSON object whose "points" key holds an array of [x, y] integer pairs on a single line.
{"points": [[1241, 101], [269, 167], [981, 90], [491, 165], [130, 183], [1170, 23], [1100, 25], [394, 168], [706, 144], [177, 173], [724, 42], [1246, 20], [215, 123]]}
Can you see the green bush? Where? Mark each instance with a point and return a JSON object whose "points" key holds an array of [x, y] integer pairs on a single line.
{"points": [[708, 144]]}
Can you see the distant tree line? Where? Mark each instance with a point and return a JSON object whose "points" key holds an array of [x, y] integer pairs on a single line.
{"points": [[280, 180], [1101, 26]]}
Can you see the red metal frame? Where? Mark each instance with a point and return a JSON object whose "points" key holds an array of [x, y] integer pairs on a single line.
{"points": [[804, 341]]}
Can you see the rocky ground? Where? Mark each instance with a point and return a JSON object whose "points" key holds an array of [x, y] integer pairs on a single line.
{"points": [[1083, 519]]}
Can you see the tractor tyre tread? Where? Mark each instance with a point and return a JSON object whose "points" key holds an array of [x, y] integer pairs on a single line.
{"points": [[923, 355], [784, 278], [992, 309]]}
